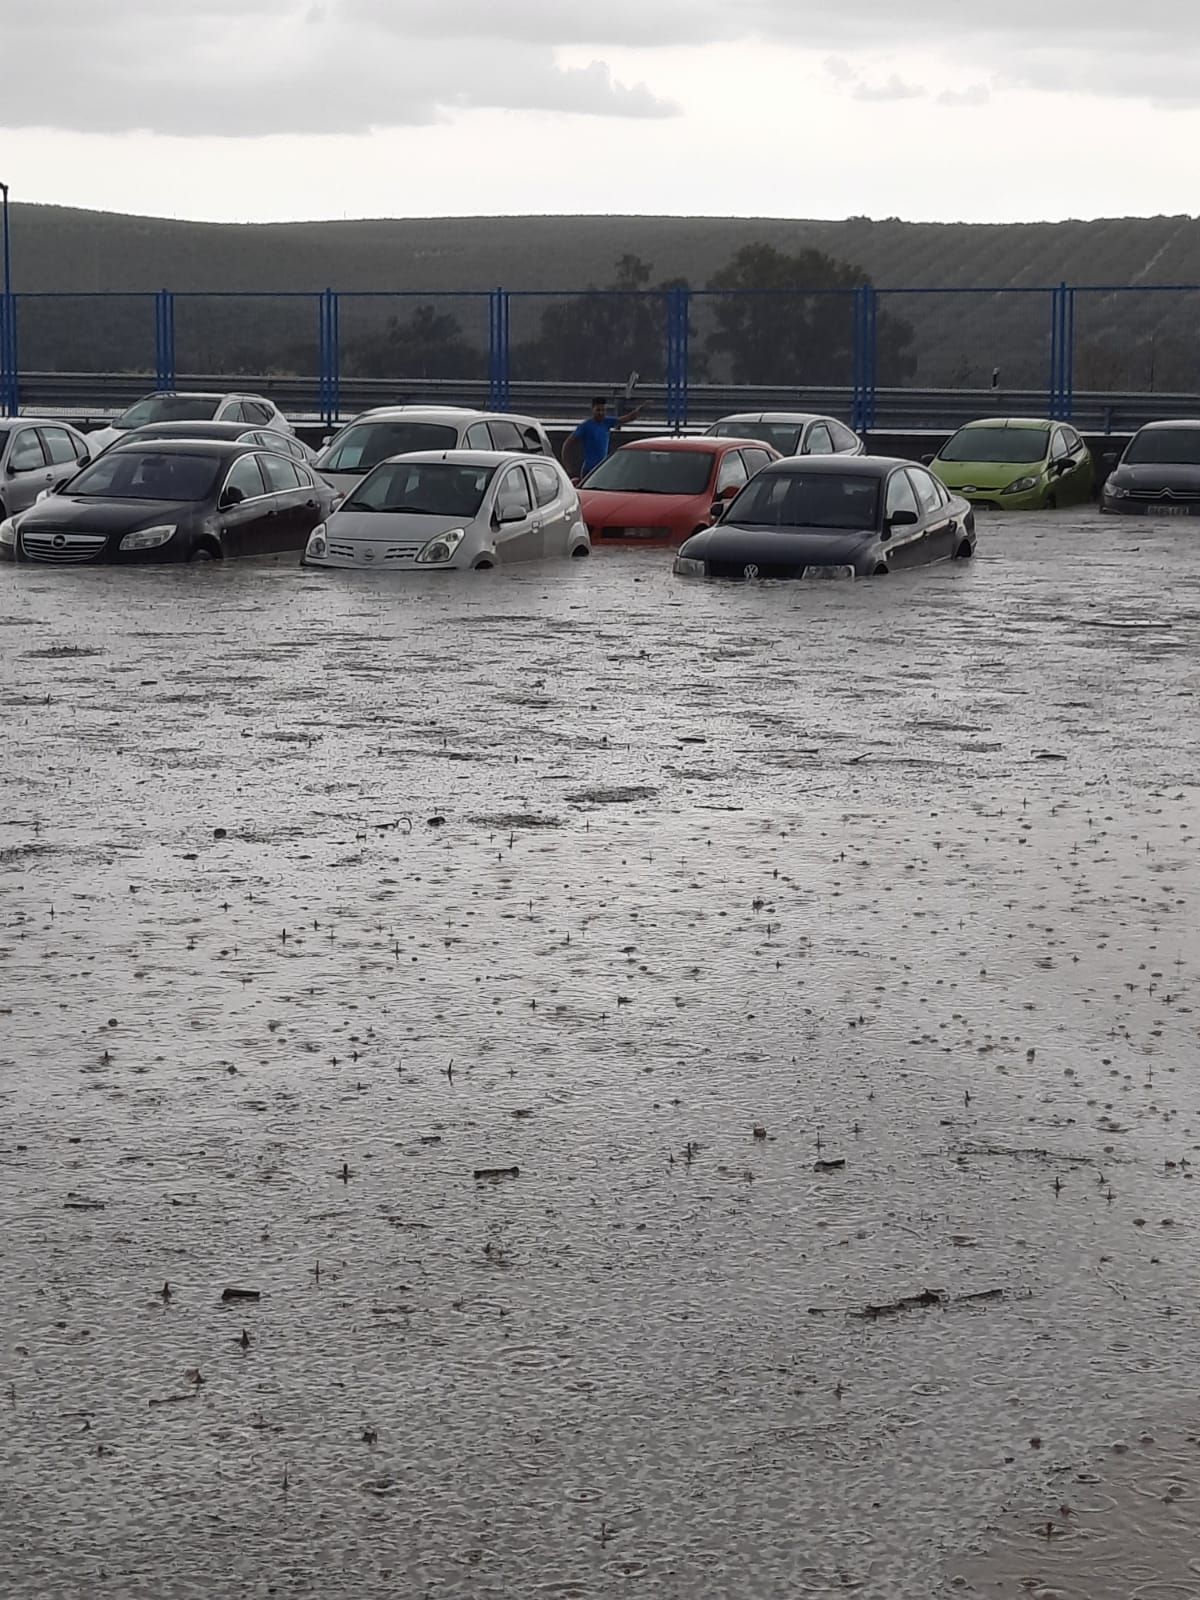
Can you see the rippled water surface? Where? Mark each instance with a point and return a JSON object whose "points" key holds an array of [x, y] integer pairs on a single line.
{"points": [[823, 960]]}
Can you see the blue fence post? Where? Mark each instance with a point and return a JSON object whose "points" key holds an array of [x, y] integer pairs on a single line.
{"points": [[685, 353], [164, 339], [871, 356], [493, 350], [671, 306], [1057, 333], [859, 402], [1068, 366], [329, 383], [10, 365], [4, 406]]}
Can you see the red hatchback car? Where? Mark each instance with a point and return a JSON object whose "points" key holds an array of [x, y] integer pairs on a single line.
{"points": [[661, 491]]}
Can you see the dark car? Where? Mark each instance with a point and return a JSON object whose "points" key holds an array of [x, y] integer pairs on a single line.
{"points": [[286, 444], [1159, 474], [183, 500], [844, 517]]}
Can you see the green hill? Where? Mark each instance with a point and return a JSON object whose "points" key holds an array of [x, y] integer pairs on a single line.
{"points": [[1133, 341]]}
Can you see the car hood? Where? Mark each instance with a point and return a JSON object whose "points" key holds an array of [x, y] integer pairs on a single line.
{"points": [[409, 526], [1158, 475], [738, 542], [343, 482], [612, 508], [69, 513], [986, 474]]}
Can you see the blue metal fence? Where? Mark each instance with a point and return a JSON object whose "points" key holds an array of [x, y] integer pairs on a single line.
{"points": [[1055, 340]]}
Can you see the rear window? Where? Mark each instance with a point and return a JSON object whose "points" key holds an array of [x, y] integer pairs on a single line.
{"points": [[365, 444], [781, 436], [170, 408]]}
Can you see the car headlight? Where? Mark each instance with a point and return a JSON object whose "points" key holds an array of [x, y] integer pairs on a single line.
{"points": [[841, 571], [443, 547], [686, 567], [8, 531], [1114, 491], [1021, 486], [149, 538], [316, 541]]}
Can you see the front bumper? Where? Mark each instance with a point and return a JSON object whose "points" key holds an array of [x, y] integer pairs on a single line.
{"points": [[993, 500], [1112, 506]]}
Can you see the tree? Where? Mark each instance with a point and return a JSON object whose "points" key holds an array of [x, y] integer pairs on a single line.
{"points": [[778, 323], [428, 344], [601, 335]]}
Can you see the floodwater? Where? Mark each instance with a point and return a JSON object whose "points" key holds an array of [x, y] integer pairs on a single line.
{"points": [[822, 959]]}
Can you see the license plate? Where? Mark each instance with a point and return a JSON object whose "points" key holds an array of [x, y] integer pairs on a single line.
{"points": [[843, 572], [1174, 511]]}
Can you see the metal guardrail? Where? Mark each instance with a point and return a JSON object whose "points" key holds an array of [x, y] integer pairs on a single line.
{"points": [[97, 397]]}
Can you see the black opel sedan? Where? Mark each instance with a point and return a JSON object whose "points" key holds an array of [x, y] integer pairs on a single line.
{"points": [[832, 517], [1159, 474], [186, 500]]}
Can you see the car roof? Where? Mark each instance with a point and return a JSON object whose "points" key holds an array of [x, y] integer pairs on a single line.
{"points": [[465, 458], [699, 443], [223, 448], [417, 413], [1008, 422], [197, 394], [854, 466], [201, 430], [7, 423], [1174, 422], [798, 417]]}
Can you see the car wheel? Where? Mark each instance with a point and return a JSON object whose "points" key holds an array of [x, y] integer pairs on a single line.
{"points": [[580, 552], [1050, 503], [483, 566], [204, 551], [964, 551], [881, 571]]}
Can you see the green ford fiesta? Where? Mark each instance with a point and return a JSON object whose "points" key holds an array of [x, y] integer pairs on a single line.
{"points": [[1017, 464]]}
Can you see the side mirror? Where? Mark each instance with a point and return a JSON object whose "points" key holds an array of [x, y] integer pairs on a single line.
{"points": [[61, 484], [902, 519], [512, 511], [229, 498], [717, 510], [326, 441]]}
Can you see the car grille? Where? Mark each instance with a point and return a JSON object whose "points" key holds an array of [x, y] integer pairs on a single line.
{"points": [[403, 552], [1182, 496], [737, 569], [72, 548], [346, 551]]}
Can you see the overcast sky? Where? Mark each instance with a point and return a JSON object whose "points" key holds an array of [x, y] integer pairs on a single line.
{"points": [[270, 109]]}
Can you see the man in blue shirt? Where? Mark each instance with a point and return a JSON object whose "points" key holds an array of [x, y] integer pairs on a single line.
{"points": [[591, 439]]}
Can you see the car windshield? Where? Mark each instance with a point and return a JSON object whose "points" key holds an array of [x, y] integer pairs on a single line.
{"points": [[426, 488], [1164, 447], [781, 436], [147, 475], [1009, 446], [365, 444], [654, 472], [170, 408], [808, 500]]}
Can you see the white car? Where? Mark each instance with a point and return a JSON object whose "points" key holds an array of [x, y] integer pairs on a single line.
{"points": [[439, 510], [388, 431], [792, 433], [252, 409]]}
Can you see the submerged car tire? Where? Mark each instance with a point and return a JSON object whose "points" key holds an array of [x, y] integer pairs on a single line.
{"points": [[483, 566], [204, 550], [580, 552], [1050, 503], [881, 571]]}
